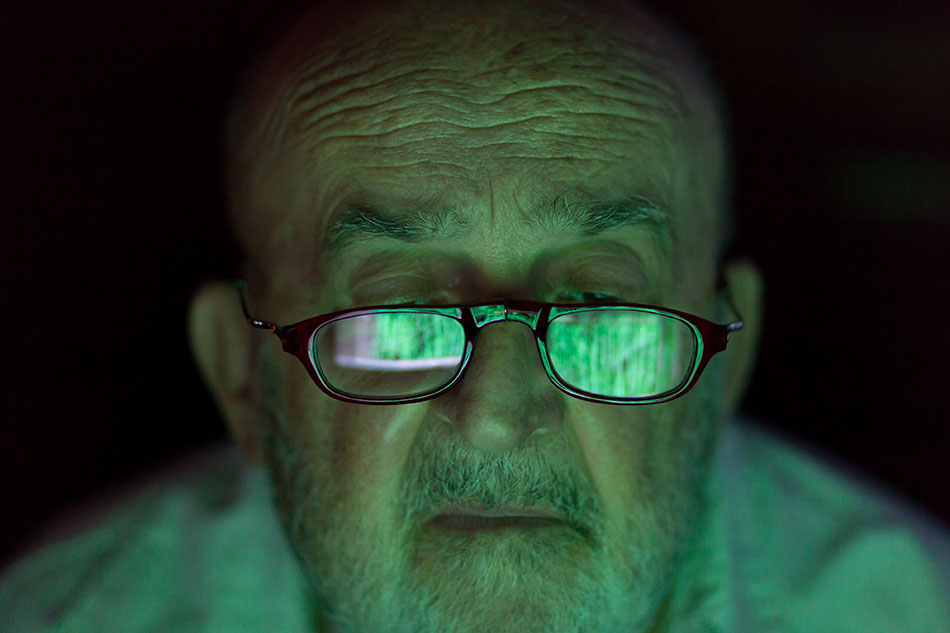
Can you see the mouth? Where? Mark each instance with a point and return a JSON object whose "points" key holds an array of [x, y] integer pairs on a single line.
{"points": [[469, 518]]}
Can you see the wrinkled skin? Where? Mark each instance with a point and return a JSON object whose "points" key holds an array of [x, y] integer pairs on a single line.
{"points": [[490, 112]]}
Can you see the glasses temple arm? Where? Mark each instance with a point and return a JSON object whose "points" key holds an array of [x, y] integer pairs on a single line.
{"points": [[735, 325], [240, 287]]}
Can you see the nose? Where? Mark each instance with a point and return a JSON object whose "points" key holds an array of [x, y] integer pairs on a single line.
{"points": [[505, 396]]}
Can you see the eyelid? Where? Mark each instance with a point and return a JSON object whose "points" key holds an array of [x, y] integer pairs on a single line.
{"points": [[384, 277], [588, 296], [402, 294], [395, 286], [618, 273]]}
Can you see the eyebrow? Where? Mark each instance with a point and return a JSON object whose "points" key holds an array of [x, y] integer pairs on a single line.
{"points": [[360, 222]]}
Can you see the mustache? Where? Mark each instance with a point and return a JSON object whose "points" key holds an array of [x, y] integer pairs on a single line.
{"points": [[442, 468]]}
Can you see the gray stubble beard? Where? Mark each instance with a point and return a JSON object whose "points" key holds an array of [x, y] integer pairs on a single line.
{"points": [[359, 594]]}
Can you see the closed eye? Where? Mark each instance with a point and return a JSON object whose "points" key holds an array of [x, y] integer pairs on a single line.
{"points": [[587, 297]]}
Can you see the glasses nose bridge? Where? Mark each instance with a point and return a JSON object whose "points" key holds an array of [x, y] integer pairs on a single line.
{"points": [[493, 313]]}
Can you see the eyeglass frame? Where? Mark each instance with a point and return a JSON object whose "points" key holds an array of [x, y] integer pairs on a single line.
{"points": [[711, 339]]}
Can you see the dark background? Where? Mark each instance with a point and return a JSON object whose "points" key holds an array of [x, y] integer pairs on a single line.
{"points": [[113, 212]]}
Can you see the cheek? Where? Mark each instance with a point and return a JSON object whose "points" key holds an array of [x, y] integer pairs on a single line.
{"points": [[360, 451], [613, 442], [639, 455]]}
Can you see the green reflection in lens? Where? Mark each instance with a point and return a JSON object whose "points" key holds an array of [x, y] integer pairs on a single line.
{"points": [[397, 341], [416, 336], [389, 354], [621, 353]]}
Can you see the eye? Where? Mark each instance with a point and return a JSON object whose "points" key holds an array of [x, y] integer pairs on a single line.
{"points": [[435, 298], [582, 296], [402, 296]]}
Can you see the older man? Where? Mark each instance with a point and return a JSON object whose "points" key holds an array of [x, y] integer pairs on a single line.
{"points": [[489, 237]]}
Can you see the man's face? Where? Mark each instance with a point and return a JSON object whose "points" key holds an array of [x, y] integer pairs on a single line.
{"points": [[477, 138]]}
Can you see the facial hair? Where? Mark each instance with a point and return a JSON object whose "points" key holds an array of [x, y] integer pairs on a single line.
{"points": [[370, 576]]}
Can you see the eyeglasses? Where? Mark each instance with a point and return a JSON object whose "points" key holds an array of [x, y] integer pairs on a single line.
{"points": [[615, 353]]}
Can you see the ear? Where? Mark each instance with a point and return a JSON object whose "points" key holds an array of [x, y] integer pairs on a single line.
{"points": [[745, 283], [221, 344]]}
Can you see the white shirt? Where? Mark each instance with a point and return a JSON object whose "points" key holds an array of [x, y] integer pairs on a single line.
{"points": [[795, 545]]}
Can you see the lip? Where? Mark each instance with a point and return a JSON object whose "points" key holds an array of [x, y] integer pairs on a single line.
{"points": [[508, 511]]}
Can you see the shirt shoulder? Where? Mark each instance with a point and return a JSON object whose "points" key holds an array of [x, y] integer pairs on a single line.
{"points": [[197, 547], [815, 547]]}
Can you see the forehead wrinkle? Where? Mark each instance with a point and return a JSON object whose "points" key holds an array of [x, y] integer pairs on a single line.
{"points": [[331, 85], [314, 109], [403, 131], [330, 45], [632, 70], [344, 76], [378, 108], [539, 130]]}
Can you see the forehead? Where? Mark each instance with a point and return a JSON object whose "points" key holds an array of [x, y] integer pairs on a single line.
{"points": [[483, 83], [496, 109]]}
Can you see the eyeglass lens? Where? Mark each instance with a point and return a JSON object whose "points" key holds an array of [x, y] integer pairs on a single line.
{"points": [[621, 353], [614, 353], [390, 354]]}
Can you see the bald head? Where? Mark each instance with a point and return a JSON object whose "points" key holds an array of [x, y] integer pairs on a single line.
{"points": [[383, 74]]}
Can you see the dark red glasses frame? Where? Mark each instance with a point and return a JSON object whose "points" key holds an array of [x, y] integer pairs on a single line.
{"points": [[711, 338]]}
